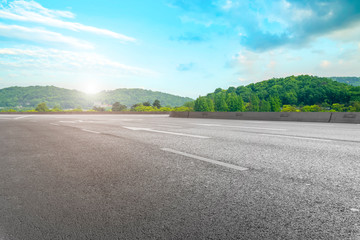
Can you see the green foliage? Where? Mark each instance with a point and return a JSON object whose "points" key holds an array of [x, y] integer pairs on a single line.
{"points": [[289, 108], [275, 104], [117, 107], [190, 104], [146, 104], [42, 107], [355, 81], [157, 104], [232, 102], [220, 102], [312, 108], [203, 104], [98, 109], [183, 109], [265, 106]]}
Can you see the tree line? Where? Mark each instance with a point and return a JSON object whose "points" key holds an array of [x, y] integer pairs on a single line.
{"points": [[116, 107], [292, 94]]}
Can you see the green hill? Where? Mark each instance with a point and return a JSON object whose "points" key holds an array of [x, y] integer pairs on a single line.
{"points": [[29, 97], [135, 95], [273, 94], [354, 81]]}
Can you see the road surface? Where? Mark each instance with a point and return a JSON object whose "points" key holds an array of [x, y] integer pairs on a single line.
{"points": [[155, 177]]}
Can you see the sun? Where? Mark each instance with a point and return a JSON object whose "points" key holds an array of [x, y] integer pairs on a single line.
{"points": [[91, 89]]}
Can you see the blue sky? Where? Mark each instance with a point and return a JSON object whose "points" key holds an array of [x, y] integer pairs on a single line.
{"points": [[183, 47]]}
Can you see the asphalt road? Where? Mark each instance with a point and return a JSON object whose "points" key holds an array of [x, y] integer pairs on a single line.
{"points": [[155, 177]]}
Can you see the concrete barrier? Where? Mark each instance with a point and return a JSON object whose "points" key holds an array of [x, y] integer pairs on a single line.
{"points": [[345, 117], [264, 116], [179, 114]]}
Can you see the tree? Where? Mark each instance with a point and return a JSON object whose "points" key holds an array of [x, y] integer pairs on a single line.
{"points": [[275, 104], [312, 108], [203, 104], [220, 103], [338, 107], [42, 107], [117, 107], [289, 108], [146, 104], [254, 105], [241, 104], [265, 106], [56, 108], [157, 104], [98, 109], [232, 102]]}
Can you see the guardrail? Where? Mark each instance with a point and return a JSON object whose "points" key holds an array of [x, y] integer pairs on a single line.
{"points": [[338, 117]]}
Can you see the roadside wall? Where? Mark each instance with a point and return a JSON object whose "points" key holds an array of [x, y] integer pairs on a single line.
{"points": [[275, 116], [347, 117]]}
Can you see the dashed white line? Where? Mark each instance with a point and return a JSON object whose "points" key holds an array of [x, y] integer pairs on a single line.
{"points": [[260, 128], [205, 159], [54, 124], [23, 117], [165, 132], [86, 130], [295, 137]]}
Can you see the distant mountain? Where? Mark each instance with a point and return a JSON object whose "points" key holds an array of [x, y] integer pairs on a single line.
{"points": [[135, 95], [354, 81], [29, 97]]}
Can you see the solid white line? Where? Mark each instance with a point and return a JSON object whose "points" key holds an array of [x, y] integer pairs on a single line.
{"points": [[165, 132], [260, 128], [22, 117], [86, 130], [205, 159], [54, 124], [305, 138]]}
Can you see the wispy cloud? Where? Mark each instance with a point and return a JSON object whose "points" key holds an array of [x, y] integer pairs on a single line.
{"points": [[185, 67], [190, 38], [60, 60], [31, 11], [41, 35]]}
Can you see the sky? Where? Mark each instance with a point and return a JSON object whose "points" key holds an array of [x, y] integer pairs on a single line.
{"points": [[183, 47]]}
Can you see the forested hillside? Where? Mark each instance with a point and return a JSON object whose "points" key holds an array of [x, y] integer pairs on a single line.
{"points": [[301, 93], [355, 81], [30, 97], [131, 96]]}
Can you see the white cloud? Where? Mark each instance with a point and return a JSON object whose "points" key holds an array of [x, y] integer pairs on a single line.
{"points": [[30, 11], [68, 61], [325, 64], [41, 35]]}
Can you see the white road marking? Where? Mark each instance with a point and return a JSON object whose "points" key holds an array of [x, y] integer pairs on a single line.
{"points": [[54, 124], [163, 125], [68, 121], [205, 159], [305, 138], [165, 132], [23, 117], [208, 124], [354, 210], [86, 130], [260, 128]]}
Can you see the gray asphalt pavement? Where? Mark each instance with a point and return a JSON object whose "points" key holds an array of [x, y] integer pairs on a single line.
{"points": [[155, 177]]}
